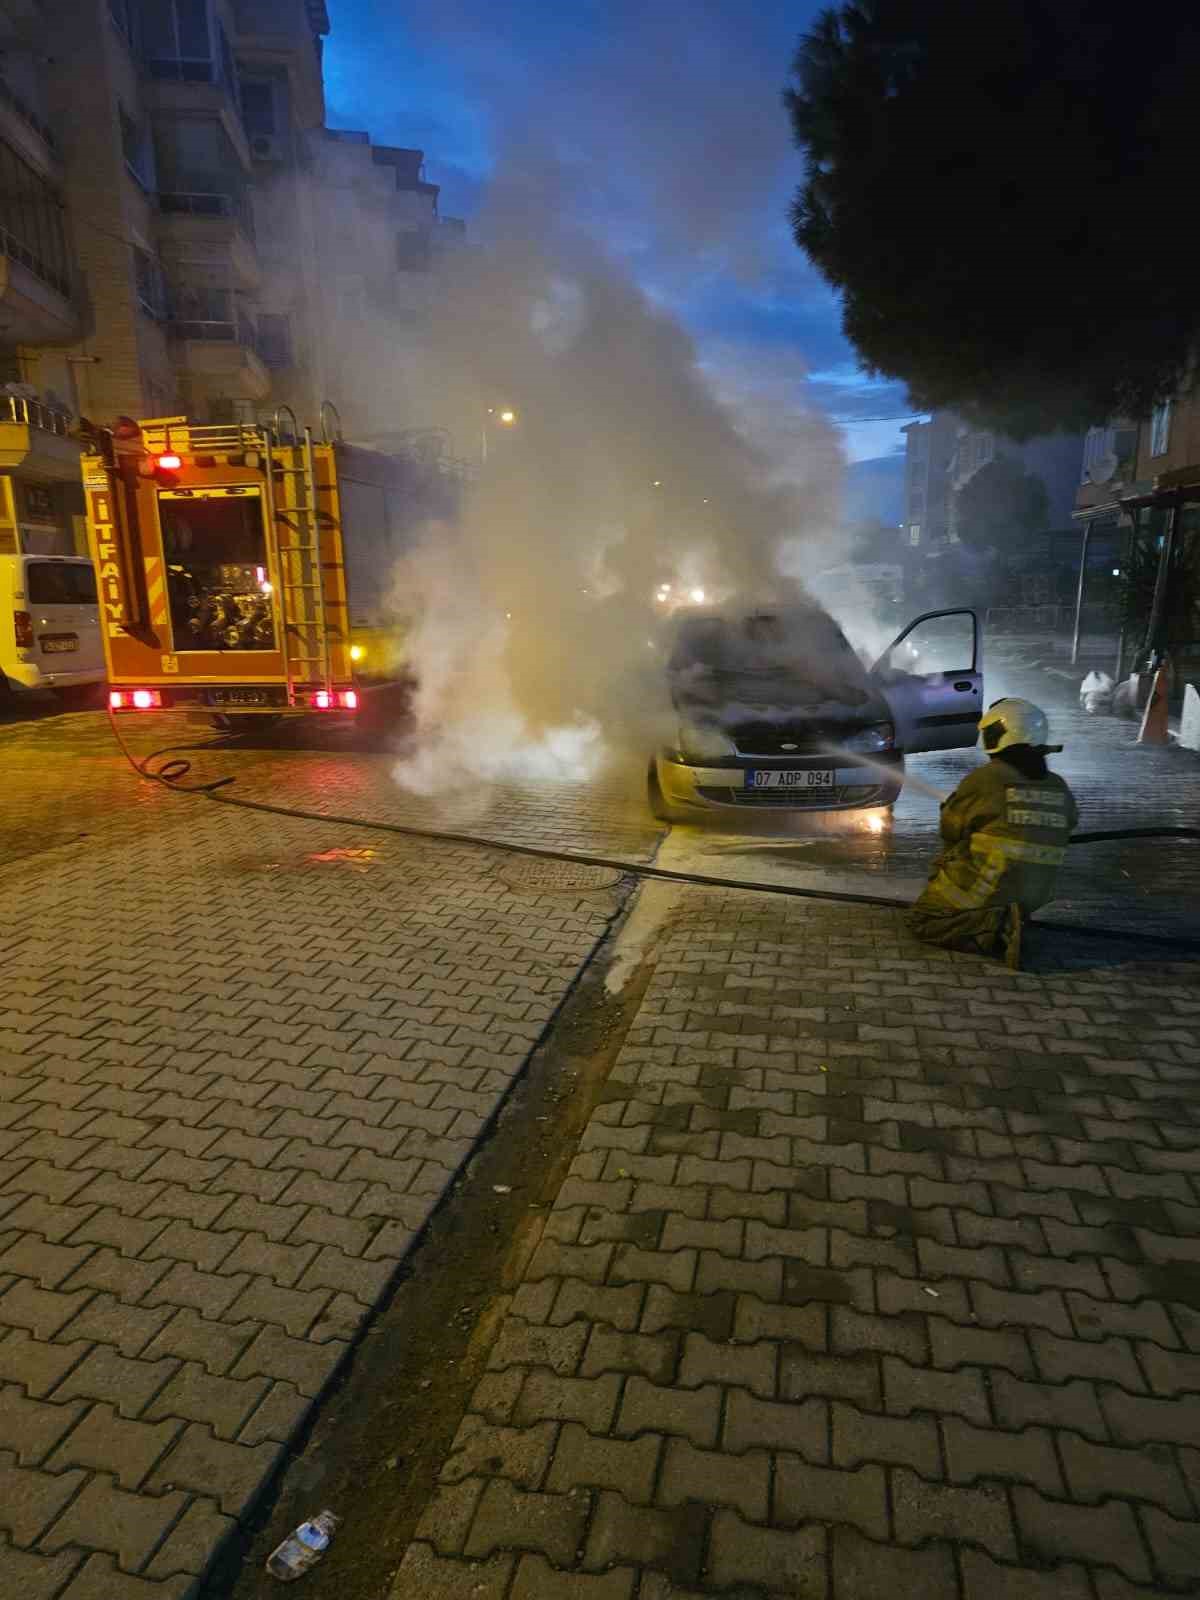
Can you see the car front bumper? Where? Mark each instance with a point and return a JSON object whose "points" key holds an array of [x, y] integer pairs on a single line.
{"points": [[686, 787]]}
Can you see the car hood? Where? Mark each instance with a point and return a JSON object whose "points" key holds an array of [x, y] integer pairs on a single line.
{"points": [[730, 700]]}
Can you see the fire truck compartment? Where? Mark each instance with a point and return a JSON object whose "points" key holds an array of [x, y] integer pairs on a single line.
{"points": [[219, 586]]}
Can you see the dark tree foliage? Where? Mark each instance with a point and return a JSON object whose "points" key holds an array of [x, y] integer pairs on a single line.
{"points": [[999, 503], [1000, 191]]}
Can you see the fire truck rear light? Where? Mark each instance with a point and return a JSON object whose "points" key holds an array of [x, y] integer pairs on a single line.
{"points": [[349, 699], [170, 462], [134, 699], [23, 630], [322, 700]]}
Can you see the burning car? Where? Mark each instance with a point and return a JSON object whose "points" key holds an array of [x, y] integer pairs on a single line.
{"points": [[774, 708]]}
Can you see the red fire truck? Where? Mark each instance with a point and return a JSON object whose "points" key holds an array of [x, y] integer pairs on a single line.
{"points": [[243, 570]]}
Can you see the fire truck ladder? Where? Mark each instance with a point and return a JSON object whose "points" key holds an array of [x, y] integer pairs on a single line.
{"points": [[293, 511]]}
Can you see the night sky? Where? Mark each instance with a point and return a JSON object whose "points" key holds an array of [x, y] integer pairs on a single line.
{"points": [[664, 124]]}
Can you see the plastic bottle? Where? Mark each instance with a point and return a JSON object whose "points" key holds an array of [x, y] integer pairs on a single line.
{"points": [[302, 1549]]}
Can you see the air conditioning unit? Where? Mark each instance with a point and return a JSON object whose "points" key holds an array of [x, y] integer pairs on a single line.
{"points": [[267, 147]]}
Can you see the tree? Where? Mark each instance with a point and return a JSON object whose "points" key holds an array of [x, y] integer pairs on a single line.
{"points": [[991, 188], [1000, 503]]}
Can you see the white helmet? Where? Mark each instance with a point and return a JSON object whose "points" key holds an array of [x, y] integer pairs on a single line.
{"points": [[1007, 722]]}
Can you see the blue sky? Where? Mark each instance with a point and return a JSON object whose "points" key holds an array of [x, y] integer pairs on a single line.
{"points": [[665, 122]]}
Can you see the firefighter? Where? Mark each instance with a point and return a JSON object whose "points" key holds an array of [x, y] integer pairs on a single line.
{"points": [[1005, 830]]}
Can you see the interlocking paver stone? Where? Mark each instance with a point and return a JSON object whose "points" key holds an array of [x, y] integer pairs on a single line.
{"points": [[209, 1112], [922, 1384]]}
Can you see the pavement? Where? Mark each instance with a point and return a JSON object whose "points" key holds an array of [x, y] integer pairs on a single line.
{"points": [[242, 1057], [876, 1273]]}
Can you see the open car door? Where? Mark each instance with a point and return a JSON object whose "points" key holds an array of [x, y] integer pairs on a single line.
{"points": [[931, 676]]}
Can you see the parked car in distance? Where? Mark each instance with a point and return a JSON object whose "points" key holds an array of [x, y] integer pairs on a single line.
{"points": [[49, 626], [774, 709]]}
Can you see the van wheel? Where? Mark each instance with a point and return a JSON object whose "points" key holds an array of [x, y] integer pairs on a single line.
{"points": [[78, 696]]}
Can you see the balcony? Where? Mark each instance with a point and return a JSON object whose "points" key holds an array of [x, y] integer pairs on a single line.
{"points": [[217, 229], [25, 131], [35, 284], [220, 355], [196, 88], [35, 437]]}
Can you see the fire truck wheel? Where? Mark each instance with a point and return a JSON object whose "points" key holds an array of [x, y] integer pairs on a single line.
{"points": [[78, 696], [259, 723], [247, 725]]}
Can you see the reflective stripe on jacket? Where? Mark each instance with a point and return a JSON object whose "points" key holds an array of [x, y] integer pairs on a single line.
{"points": [[1005, 837]]}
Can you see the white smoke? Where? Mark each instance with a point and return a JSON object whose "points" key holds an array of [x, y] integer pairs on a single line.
{"points": [[535, 630]]}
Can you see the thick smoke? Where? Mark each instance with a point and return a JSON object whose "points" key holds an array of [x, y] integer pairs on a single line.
{"points": [[637, 161], [536, 628]]}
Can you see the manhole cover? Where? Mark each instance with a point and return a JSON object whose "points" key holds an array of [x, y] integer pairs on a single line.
{"points": [[555, 877]]}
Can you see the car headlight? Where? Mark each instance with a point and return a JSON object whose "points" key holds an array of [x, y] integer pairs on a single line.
{"points": [[697, 743], [870, 741]]}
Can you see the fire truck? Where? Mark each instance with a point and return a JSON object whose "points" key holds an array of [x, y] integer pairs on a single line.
{"points": [[243, 570]]}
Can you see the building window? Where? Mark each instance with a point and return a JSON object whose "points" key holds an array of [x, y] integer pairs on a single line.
{"points": [[199, 311], [135, 146], [31, 222], [274, 340], [148, 282], [258, 110], [1160, 429], [228, 65], [180, 41], [200, 172], [122, 14], [914, 533]]}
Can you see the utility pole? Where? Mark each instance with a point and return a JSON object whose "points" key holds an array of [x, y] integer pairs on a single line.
{"points": [[1083, 555], [1157, 628]]}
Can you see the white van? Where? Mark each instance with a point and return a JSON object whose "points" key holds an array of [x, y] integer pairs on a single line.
{"points": [[49, 625]]}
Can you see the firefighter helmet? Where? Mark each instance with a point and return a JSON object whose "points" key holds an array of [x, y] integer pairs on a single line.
{"points": [[1013, 721]]}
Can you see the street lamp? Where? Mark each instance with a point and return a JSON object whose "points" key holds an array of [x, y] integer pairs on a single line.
{"points": [[505, 417]]}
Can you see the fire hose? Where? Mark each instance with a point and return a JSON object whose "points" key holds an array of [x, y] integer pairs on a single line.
{"points": [[171, 773]]}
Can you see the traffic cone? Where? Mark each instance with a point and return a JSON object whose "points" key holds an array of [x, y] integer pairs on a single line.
{"points": [[1154, 718]]}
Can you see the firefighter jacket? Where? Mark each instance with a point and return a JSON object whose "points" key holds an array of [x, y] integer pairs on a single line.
{"points": [[1005, 838]]}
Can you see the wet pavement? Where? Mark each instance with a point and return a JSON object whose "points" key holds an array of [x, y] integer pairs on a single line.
{"points": [[244, 1056]]}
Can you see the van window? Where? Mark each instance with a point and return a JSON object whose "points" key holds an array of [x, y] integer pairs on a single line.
{"points": [[60, 583]]}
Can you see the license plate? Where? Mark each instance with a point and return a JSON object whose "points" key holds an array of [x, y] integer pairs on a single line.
{"points": [[802, 778], [238, 697], [54, 644]]}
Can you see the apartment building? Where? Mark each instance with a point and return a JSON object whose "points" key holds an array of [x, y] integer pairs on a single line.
{"points": [[1155, 493], [929, 448], [41, 315], [179, 232]]}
